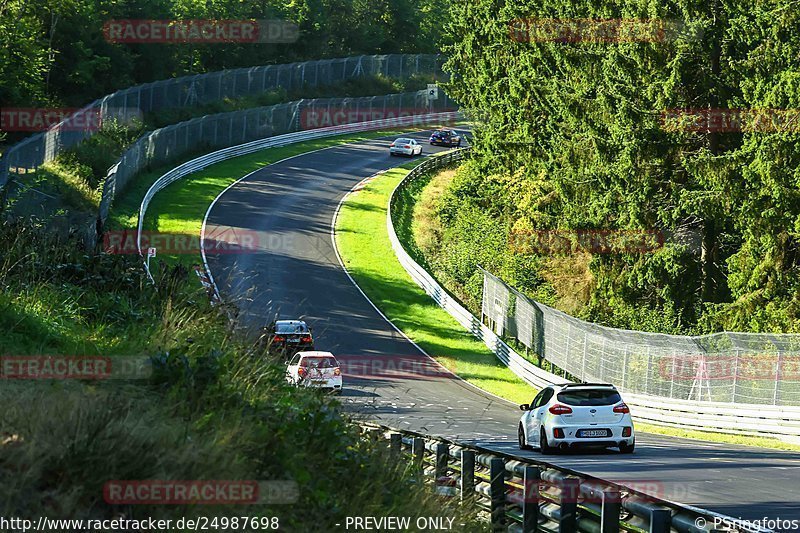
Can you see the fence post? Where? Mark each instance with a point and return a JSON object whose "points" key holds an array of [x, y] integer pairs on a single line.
{"points": [[497, 473], [395, 444], [610, 511], [442, 455], [419, 455], [530, 499], [467, 474], [568, 523], [660, 520], [776, 394]]}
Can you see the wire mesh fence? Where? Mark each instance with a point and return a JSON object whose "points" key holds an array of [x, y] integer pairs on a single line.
{"points": [[745, 368], [190, 91], [211, 132]]}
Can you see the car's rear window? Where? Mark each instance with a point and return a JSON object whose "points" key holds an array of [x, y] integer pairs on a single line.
{"points": [[403, 141], [319, 362], [589, 397], [291, 328]]}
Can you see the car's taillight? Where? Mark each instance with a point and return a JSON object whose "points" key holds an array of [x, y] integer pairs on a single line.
{"points": [[278, 338], [391, 145], [626, 431], [306, 338], [558, 433], [406, 146], [302, 372], [622, 408], [337, 371], [559, 409]]}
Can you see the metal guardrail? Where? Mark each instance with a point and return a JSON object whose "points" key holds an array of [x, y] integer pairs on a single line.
{"points": [[206, 160], [223, 130], [529, 372], [743, 419], [200, 89], [732, 367], [521, 495]]}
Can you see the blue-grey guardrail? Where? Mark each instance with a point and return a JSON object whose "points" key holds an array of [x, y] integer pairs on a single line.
{"points": [[222, 130], [200, 89], [742, 419], [523, 495]]}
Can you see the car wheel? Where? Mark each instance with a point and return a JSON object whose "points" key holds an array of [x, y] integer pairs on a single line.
{"points": [[521, 437], [544, 447], [627, 448]]}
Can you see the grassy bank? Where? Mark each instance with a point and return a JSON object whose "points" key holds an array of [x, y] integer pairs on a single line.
{"points": [[180, 208], [213, 407], [367, 253], [73, 181]]}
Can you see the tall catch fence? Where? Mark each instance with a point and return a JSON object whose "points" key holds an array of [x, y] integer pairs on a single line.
{"points": [[228, 129], [190, 91], [745, 368]]}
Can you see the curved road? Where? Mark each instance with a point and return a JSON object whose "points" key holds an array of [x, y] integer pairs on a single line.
{"points": [[295, 272]]}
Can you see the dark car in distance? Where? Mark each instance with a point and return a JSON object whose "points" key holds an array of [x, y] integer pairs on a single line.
{"points": [[445, 137], [287, 337]]}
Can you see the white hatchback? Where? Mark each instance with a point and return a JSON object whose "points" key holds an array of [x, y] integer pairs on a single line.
{"points": [[405, 146], [315, 369], [576, 415]]}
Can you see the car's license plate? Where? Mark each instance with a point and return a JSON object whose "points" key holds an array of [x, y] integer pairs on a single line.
{"points": [[593, 433], [294, 340]]}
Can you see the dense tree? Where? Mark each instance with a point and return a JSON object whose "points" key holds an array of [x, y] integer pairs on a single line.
{"points": [[574, 137], [53, 52]]}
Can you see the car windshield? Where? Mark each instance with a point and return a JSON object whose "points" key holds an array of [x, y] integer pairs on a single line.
{"points": [[291, 327], [589, 397], [319, 362]]}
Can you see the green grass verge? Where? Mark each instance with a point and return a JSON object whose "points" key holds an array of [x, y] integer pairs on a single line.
{"points": [[367, 253], [180, 208], [364, 245]]}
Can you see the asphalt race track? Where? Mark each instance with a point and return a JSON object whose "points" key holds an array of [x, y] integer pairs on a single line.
{"points": [[295, 273]]}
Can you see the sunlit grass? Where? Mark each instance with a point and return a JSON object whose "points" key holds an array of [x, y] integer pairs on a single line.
{"points": [[367, 253], [180, 208]]}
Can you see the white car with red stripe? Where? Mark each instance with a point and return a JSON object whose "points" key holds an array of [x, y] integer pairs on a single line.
{"points": [[576, 415], [315, 369]]}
